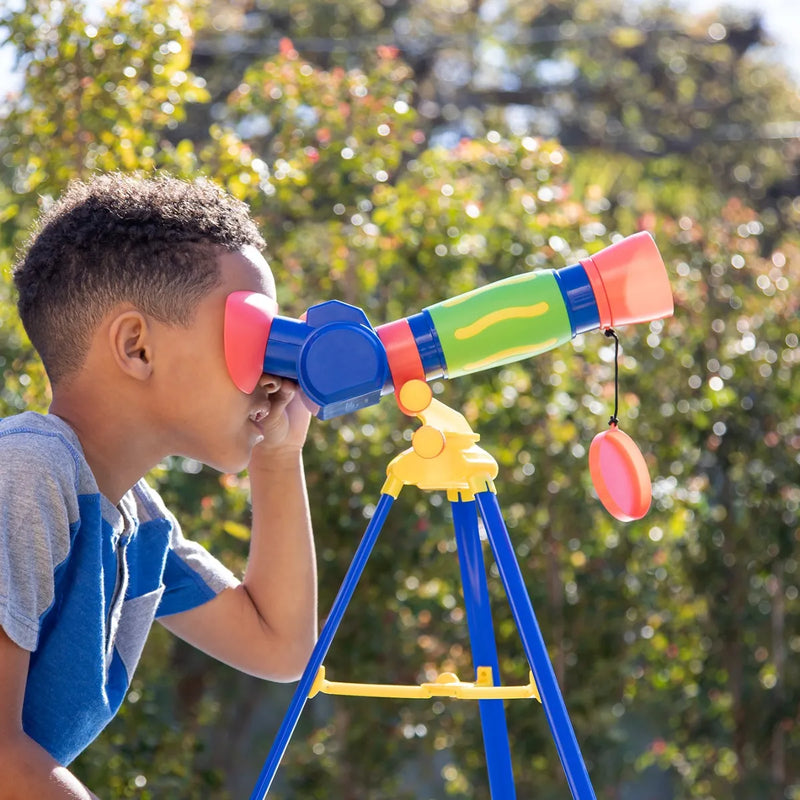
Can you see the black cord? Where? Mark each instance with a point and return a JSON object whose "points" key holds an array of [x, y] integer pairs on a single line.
{"points": [[614, 420]]}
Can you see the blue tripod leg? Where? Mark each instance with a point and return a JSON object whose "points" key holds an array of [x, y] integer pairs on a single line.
{"points": [[321, 648], [484, 649], [553, 703]]}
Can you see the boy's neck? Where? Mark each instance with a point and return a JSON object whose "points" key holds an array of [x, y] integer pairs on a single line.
{"points": [[113, 444]]}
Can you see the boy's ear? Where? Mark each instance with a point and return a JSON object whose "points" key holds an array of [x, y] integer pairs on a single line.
{"points": [[129, 337]]}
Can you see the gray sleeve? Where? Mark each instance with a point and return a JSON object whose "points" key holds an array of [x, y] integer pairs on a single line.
{"points": [[38, 506]]}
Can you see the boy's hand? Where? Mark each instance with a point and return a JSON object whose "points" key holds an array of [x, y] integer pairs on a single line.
{"points": [[286, 426]]}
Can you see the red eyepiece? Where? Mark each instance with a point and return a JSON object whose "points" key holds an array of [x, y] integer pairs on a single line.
{"points": [[248, 318]]}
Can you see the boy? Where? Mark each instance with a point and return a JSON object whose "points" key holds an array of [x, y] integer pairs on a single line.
{"points": [[122, 291]]}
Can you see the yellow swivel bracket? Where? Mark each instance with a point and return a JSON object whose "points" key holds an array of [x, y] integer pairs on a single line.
{"points": [[446, 684], [444, 454]]}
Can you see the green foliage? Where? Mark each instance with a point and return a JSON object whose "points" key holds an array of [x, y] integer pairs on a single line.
{"points": [[672, 637], [97, 94]]}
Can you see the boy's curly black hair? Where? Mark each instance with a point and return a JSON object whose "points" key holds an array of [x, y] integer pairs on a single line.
{"points": [[152, 242]]}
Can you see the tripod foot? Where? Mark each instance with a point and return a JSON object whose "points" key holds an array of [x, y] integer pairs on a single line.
{"points": [[447, 684]]}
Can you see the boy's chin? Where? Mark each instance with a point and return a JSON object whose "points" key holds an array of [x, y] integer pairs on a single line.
{"points": [[230, 466]]}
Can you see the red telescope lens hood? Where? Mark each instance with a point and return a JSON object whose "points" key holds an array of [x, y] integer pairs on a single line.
{"points": [[630, 282]]}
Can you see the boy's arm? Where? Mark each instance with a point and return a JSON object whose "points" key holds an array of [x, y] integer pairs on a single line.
{"points": [[27, 769], [267, 625]]}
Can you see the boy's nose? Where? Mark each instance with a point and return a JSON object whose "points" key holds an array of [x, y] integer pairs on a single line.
{"points": [[272, 383]]}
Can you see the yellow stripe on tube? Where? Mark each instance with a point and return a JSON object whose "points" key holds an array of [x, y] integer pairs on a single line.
{"points": [[516, 312], [509, 356]]}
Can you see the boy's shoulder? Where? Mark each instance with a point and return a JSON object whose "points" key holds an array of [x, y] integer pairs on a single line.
{"points": [[43, 447], [43, 473], [31, 441], [35, 424]]}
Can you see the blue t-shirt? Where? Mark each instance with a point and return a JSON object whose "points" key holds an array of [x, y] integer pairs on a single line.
{"points": [[81, 580]]}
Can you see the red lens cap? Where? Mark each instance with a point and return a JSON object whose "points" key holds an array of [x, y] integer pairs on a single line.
{"points": [[619, 474]]}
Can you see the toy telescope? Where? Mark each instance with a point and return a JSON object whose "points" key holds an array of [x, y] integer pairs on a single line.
{"points": [[343, 364]]}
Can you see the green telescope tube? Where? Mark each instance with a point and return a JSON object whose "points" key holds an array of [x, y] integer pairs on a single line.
{"points": [[500, 323]]}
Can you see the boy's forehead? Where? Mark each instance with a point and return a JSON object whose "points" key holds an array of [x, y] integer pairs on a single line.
{"points": [[247, 270]]}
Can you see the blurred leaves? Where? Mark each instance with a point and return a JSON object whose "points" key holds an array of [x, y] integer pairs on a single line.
{"points": [[415, 169]]}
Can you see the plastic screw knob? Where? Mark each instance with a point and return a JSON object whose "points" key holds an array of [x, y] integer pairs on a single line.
{"points": [[415, 396], [428, 442]]}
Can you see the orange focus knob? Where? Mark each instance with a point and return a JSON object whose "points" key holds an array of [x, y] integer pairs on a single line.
{"points": [[428, 442]]}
